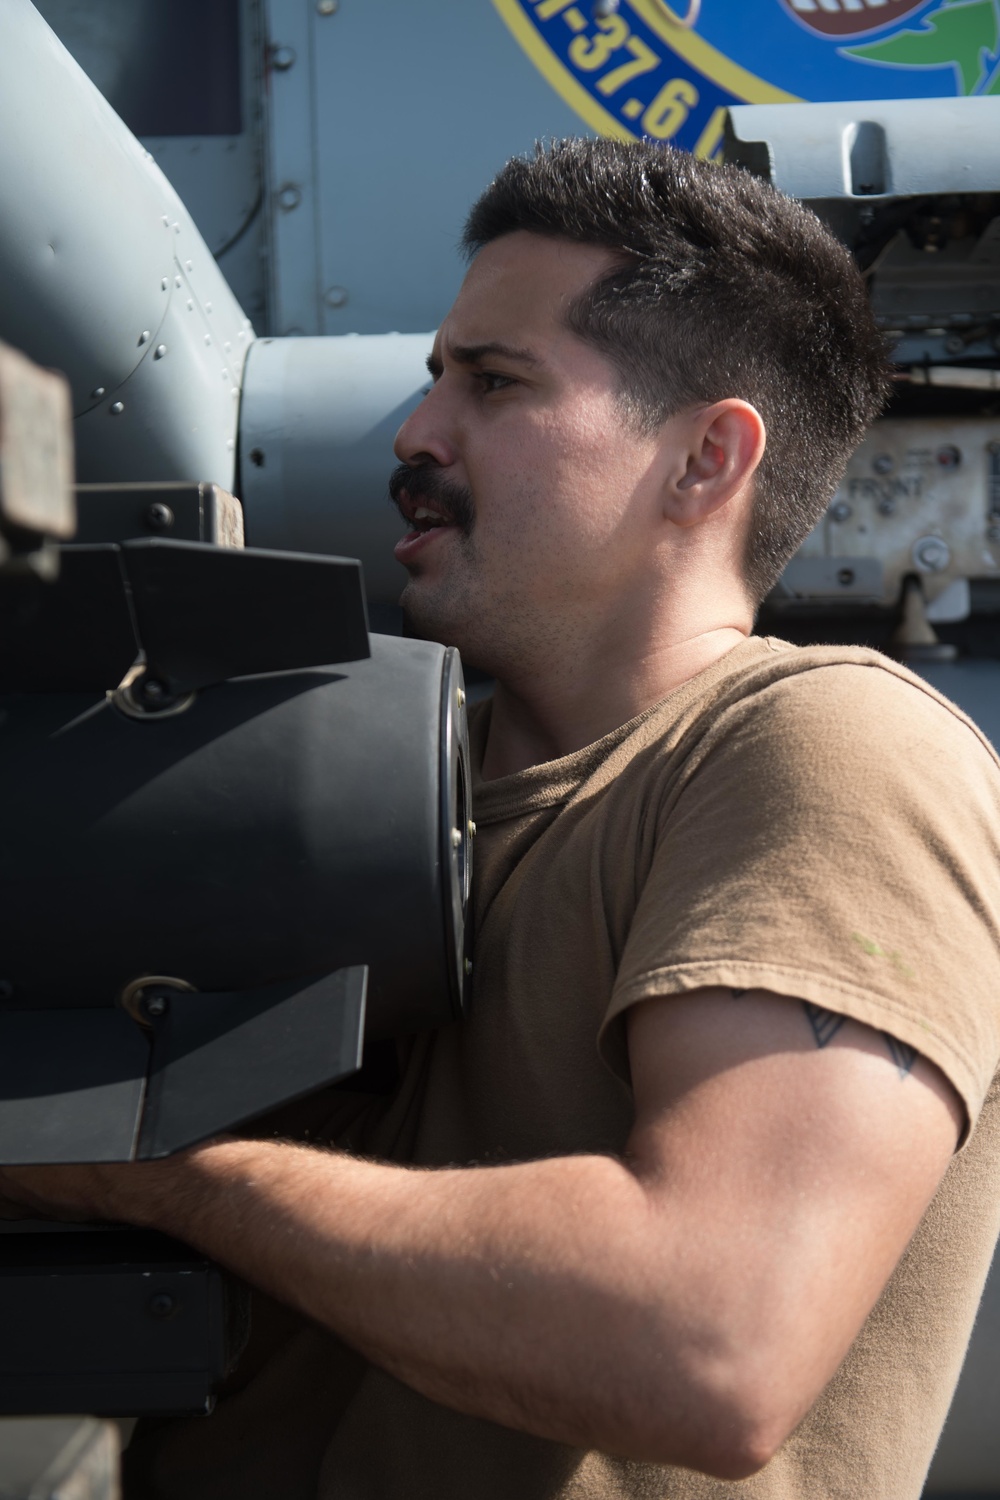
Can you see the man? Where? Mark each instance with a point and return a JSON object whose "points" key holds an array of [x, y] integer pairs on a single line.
{"points": [[697, 1225]]}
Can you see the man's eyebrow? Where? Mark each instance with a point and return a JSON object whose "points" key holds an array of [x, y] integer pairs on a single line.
{"points": [[476, 354]]}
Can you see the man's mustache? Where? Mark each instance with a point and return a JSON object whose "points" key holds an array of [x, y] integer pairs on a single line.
{"points": [[427, 485]]}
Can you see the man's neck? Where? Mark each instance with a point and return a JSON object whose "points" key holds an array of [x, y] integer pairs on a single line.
{"points": [[543, 716]]}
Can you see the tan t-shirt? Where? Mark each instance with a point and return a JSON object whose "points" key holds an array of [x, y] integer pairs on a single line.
{"points": [[814, 822]]}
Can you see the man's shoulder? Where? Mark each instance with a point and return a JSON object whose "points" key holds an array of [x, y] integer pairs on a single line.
{"points": [[807, 695]]}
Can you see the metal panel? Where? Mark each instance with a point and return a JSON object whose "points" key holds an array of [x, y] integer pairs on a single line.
{"points": [[399, 118], [71, 1085], [112, 1321], [90, 227], [316, 430], [918, 497], [219, 1060], [291, 171], [897, 147]]}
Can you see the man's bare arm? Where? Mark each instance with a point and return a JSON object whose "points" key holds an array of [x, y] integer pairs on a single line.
{"points": [[684, 1306]]}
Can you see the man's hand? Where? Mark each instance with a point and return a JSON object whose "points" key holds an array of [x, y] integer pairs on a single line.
{"points": [[685, 1306]]}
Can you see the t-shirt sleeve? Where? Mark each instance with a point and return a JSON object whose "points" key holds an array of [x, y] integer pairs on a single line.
{"points": [[834, 836]]}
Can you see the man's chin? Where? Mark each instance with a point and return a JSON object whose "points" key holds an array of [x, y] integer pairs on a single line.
{"points": [[426, 618]]}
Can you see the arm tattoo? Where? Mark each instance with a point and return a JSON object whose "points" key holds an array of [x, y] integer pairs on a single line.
{"points": [[826, 1023], [902, 1055]]}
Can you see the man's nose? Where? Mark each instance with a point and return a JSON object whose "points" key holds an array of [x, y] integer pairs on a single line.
{"points": [[424, 436]]}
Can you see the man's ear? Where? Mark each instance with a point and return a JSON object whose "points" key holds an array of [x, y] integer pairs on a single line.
{"points": [[718, 450]]}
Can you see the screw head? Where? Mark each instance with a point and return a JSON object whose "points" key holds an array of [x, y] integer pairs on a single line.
{"points": [[159, 516], [882, 463], [159, 351], [335, 296], [98, 392], [840, 511], [932, 554], [460, 697], [161, 1305], [289, 197], [472, 829], [845, 577], [116, 408], [156, 1005], [283, 58], [456, 838], [886, 507], [327, 7]]}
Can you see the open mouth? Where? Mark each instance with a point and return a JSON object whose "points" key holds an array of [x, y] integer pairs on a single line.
{"points": [[424, 520], [427, 518]]}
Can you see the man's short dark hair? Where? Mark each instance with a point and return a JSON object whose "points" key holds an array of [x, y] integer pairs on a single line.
{"points": [[724, 288]]}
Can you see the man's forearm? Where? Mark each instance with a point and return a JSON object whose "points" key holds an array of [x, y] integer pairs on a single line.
{"points": [[497, 1291]]}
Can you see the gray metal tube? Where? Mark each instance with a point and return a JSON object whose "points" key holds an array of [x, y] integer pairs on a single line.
{"points": [[317, 422], [104, 276]]}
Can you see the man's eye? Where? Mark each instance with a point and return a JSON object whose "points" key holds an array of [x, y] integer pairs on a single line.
{"points": [[491, 382]]}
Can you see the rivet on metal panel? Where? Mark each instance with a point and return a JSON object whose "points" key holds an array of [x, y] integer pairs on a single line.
{"points": [[472, 829], [164, 284], [882, 463], [225, 374], [456, 838], [177, 227], [97, 392], [208, 307], [159, 351], [840, 511], [335, 296], [166, 222], [845, 577], [161, 1304], [187, 265], [144, 337], [282, 58], [208, 338], [190, 305], [116, 408], [289, 196], [460, 697], [177, 282], [327, 7]]}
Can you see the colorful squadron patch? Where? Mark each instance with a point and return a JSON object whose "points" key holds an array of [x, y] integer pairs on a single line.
{"points": [[629, 69]]}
